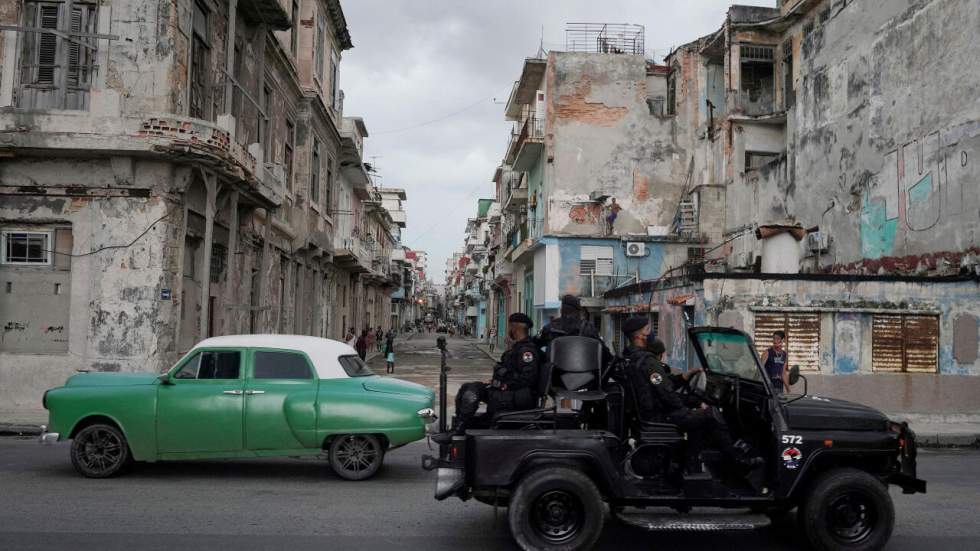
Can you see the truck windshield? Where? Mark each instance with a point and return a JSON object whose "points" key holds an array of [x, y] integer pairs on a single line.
{"points": [[729, 353]]}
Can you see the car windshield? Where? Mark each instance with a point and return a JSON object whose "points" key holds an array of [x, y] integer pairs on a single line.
{"points": [[730, 354], [355, 366]]}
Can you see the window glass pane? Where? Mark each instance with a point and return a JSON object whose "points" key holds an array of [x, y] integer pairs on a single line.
{"points": [[26, 247], [281, 365], [354, 366], [189, 370], [211, 365]]}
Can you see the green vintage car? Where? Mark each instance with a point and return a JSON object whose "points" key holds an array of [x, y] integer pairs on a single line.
{"points": [[240, 396]]}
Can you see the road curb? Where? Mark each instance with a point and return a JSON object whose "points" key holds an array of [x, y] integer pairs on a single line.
{"points": [[940, 441]]}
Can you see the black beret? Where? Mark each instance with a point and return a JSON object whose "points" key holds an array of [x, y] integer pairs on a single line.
{"points": [[571, 300], [634, 324], [518, 317]]}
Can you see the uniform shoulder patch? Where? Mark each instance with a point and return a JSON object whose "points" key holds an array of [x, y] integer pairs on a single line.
{"points": [[656, 379], [527, 357]]}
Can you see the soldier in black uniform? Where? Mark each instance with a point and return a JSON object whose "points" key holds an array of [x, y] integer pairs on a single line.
{"points": [[572, 322], [514, 379], [657, 401]]}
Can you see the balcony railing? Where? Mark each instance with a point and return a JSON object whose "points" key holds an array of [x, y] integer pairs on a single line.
{"points": [[529, 131], [753, 103], [604, 38]]}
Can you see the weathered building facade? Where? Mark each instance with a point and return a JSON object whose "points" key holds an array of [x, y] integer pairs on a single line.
{"points": [[168, 171], [842, 197]]}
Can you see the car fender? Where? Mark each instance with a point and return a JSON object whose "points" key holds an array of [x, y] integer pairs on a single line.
{"points": [[132, 409], [344, 407], [585, 461], [823, 459]]}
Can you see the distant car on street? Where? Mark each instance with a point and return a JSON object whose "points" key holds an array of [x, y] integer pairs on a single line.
{"points": [[240, 396]]}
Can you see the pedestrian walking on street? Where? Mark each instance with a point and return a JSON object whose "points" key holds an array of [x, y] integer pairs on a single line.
{"points": [[379, 336], [774, 362], [351, 338], [362, 345], [493, 338], [389, 350]]}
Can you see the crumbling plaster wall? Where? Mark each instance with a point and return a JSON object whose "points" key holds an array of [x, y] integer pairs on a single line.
{"points": [[888, 131], [845, 340], [602, 137], [117, 320]]}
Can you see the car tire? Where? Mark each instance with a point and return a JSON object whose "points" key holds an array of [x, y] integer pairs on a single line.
{"points": [[100, 451], [847, 509], [556, 509], [356, 456]]}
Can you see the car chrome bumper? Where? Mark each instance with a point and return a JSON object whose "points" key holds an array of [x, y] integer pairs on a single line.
{"points": [[48, 437]]}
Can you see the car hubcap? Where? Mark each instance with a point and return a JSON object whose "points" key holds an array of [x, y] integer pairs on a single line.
{"points": [[101, 450], [557, 516], [356, 454], [852, 517]]}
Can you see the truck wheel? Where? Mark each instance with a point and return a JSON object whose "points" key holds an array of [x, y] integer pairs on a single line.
{"points": [[554, 509], [99, 451], [356, 456], [848, 509]]}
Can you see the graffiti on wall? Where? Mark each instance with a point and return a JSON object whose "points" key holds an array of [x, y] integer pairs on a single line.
{"points": [[920, 183]]}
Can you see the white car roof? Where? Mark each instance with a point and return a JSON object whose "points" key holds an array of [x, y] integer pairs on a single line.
{"points": [[323, 352]]}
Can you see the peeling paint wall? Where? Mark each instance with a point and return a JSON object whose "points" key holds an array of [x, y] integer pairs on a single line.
{"points": [[883, 137], [602, 137]]}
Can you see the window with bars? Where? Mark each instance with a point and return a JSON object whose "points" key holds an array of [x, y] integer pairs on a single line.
{"points": [[29, 248], [315, 173], [802, 342], [596, 260], [905, 343], [219, 259], [57, 72], [752, 52]]}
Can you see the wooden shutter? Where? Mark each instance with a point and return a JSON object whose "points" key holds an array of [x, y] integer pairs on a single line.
{"points": [[802, 337], [905, 343], [921, 344], [47, 44]]}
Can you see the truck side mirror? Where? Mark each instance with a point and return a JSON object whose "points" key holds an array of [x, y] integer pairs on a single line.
{"points": [[794, 374]]}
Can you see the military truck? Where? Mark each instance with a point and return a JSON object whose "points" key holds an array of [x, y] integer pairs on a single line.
{"points": [[560, 471]]}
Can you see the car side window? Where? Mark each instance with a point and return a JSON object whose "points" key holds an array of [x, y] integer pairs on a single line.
{"points": [[224, 364], [281, 365]]}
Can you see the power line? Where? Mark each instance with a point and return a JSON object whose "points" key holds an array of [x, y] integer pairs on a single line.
{"points": [[433, 121], [439, 221]]}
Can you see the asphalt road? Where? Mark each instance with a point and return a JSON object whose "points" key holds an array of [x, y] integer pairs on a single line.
{"points": [[287, 504]]}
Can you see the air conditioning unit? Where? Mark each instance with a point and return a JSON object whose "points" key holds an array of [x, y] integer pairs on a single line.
{"points": [[818, 242], [636, 248]]}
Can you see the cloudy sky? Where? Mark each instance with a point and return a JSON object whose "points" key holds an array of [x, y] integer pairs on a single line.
{"points": [[429, 77]]}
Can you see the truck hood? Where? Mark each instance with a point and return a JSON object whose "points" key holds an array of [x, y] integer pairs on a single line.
{"points": [[112, 379], [376, 383], [819, 413]]}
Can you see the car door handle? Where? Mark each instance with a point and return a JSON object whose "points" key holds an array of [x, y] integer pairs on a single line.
{"points": [[251, 392], [233, 392]]}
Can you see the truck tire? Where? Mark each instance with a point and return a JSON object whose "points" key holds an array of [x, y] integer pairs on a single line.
{"points": [[556, 509], [847, 509]]}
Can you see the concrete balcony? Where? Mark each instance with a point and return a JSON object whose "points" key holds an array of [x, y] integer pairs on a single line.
{"points": [[169, 136], [353, 256], [526, 143], [515, 192]]}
